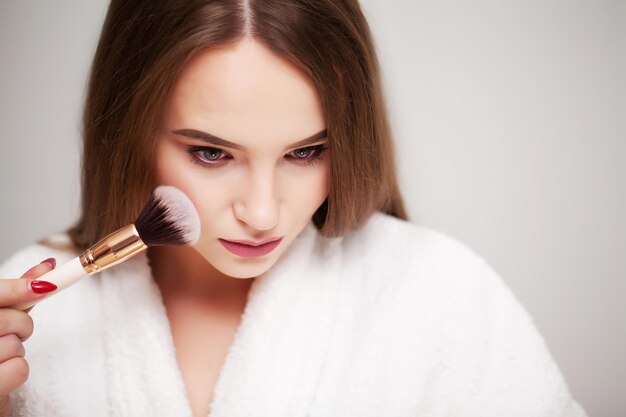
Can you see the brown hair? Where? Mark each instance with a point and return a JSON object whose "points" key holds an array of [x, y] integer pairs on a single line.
{"points": [[142, 49]]}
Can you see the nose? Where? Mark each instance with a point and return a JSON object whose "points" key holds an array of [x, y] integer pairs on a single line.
{"points": [[258, 205]]}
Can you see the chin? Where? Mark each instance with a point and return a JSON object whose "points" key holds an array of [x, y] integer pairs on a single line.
{"points": [[240, 271], [243, 276], [236, 267]]}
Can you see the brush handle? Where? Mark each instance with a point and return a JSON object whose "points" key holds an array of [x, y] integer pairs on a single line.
{"points": [[67, 274]]}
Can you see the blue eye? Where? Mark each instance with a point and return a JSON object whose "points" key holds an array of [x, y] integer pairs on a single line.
{"points": [[211, 154], [308, 156], [202, 155], [303, 153]]}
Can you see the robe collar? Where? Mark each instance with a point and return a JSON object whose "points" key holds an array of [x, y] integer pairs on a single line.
{"points": [[274, 361]]}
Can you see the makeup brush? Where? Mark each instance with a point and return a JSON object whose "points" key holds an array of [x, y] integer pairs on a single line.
{"points": [[168, 218]]}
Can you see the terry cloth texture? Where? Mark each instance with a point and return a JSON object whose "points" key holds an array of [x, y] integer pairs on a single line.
{"points": [[393, 319]]}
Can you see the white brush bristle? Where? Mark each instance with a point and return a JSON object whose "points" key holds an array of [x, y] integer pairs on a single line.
{"points": [[182, 211]]}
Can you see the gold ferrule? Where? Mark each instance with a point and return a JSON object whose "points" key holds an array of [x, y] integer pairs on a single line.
{"points": [[113, 249]]}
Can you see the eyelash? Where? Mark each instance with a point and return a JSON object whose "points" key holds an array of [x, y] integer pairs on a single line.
{"points": [[316, 156]]}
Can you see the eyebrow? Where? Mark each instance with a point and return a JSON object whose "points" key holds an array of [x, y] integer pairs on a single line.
{"points": [[214, 140]]}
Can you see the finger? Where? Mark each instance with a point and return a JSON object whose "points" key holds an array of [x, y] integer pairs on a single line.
{"points": [[10, 347], [17, 322], [18, 291], [13, 373], [36, 271]]}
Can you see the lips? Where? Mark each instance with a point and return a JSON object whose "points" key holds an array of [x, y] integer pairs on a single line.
{"points": [[247, 248], [251, 243]]}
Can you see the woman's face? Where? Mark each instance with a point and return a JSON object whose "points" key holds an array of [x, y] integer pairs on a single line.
{"points": [[244, 137]]}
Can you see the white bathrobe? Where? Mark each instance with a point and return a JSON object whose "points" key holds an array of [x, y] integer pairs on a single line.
{"points": [[391, 320]]}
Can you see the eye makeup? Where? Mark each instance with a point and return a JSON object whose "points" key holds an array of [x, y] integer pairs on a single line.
{"points": [[313, 154], [214, 157]]}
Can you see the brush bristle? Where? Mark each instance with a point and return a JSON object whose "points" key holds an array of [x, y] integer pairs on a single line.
{"points": [[168, 218]]}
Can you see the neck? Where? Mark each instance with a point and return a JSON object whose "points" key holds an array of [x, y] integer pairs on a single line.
{"points": [[180, 271]]}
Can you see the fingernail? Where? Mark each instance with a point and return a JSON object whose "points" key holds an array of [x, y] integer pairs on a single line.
{"points": [[51, 261], [42, 287]]}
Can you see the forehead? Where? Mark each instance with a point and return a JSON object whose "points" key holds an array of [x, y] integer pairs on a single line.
{"points": [[246, 94]]}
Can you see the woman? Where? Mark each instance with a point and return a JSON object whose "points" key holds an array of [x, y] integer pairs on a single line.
{"points": [[270, 117]]}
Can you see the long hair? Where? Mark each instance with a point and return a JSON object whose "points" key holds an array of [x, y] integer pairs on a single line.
{"points": [[141, 51]]}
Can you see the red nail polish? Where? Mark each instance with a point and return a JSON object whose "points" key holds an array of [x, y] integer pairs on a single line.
{"points": [[51, 261], [42, 287]]}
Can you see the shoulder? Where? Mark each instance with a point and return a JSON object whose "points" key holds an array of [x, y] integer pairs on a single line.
{"points": [[445, 312], [382, 230], [403, 262], [405, 246]]}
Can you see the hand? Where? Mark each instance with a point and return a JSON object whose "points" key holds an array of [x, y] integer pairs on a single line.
{"points": [[17, 326]]}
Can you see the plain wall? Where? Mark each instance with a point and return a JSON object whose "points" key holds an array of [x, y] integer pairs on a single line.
{"points": [[509, 120]]}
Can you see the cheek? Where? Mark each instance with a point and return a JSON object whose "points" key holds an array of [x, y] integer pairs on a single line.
{"points": [[174, 168], [306, 193], [210, 197]]}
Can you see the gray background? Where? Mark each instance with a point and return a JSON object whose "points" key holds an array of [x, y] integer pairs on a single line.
{"points": [[510, 126]]}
